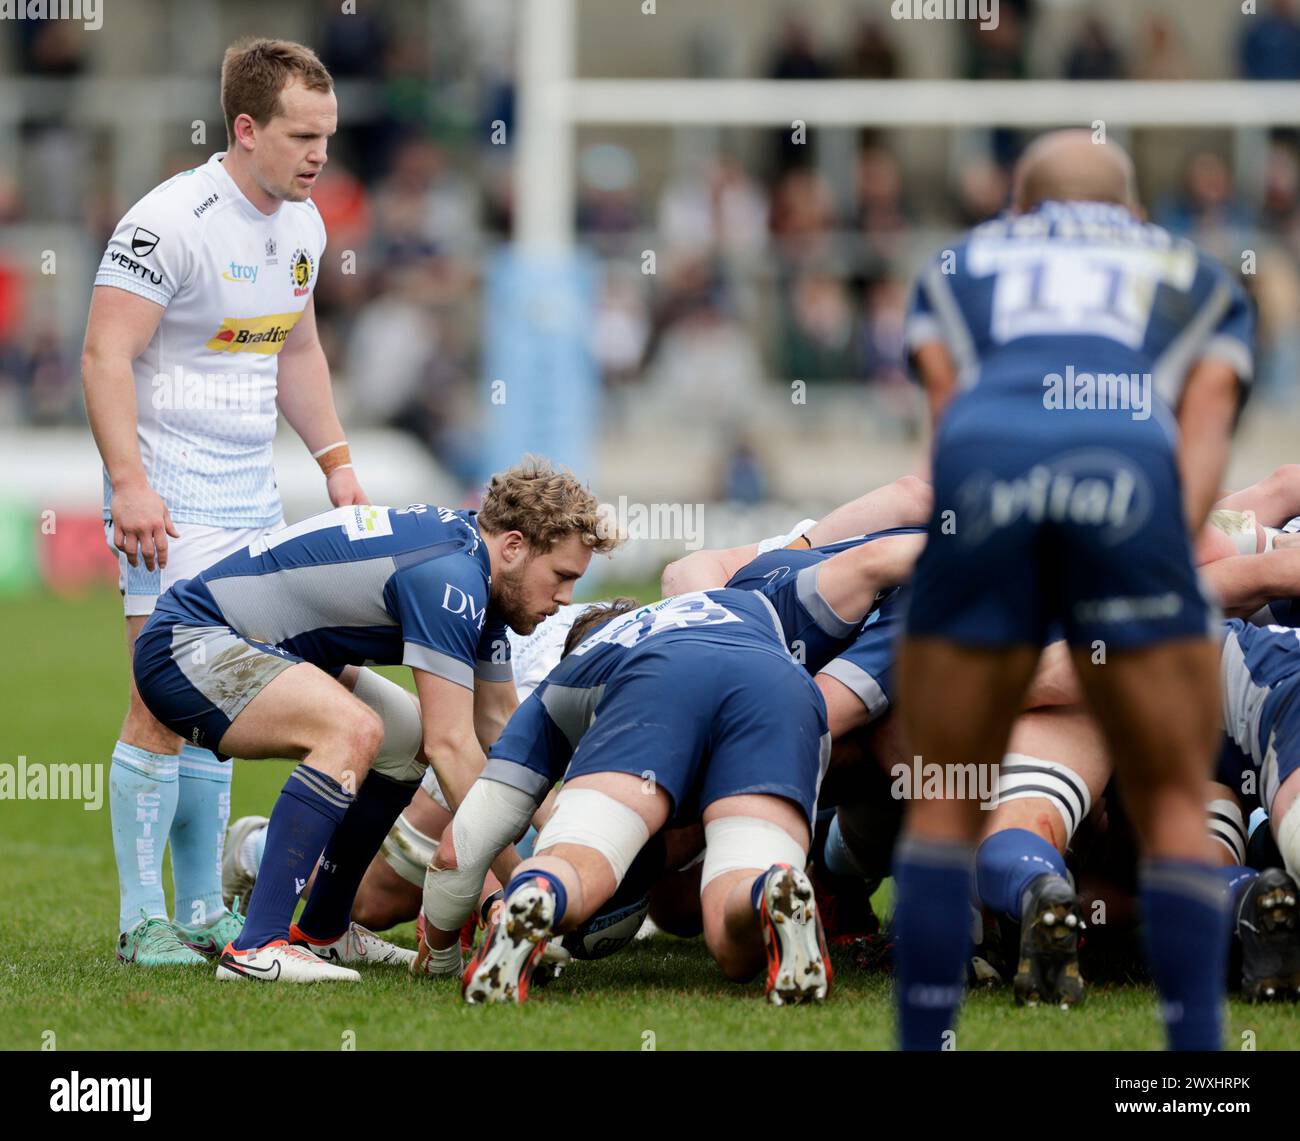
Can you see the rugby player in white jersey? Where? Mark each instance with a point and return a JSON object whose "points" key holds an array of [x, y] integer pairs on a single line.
{"points": [[201, 324]]}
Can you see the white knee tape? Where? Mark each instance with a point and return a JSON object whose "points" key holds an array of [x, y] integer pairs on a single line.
{"points": [[490, 818], [408, 850], [745, 843], [1288, 839], [594, 820], [399, 755], [1022, 777], [1228, 826]]}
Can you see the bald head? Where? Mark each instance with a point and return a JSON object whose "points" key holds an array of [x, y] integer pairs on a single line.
{"points": [[1069, 166]]}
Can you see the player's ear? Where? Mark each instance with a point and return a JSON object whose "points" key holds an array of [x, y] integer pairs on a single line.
{"points": [[244, 128], [514, 546]]}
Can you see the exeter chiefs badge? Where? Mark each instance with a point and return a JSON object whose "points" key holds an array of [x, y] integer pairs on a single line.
{"points": [[300, 271], [143, 242]]}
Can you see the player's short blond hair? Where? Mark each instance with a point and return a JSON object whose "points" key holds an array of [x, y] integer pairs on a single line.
{"points": [[545, 504], [255, 71]]}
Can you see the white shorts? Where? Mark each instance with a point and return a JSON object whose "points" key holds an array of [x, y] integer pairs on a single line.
{"points": [[196, 550]]}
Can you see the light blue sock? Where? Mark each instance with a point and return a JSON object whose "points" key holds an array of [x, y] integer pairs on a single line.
{"points": [[142, 790], [197, 835]]}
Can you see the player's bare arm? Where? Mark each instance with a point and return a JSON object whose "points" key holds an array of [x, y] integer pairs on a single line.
{"points": [[705, 570], [1274, 499], [934, 365], [1244, 583], [451, 744], [494, 702], [119, 329], [306, 399], [1205, 418], [906, 502], [850, 581]]}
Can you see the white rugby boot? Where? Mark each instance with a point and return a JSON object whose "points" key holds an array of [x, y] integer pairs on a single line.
{"points": [[355, 945], [279, 961], [515, 942], [798, 965]]}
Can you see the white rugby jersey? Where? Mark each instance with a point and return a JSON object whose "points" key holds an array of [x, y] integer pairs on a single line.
{"points": [[534, 655], [234, 282]]}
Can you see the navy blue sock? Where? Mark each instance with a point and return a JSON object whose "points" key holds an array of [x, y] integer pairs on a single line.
{"points": [[520, 879], [1185, 925], [1007, 863], [932, 886], [310, 807], [1237, 880], [359, 836]]}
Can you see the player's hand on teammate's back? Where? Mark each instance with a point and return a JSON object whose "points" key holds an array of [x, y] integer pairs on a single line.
{"points": [[141, 524], [344, 490]]}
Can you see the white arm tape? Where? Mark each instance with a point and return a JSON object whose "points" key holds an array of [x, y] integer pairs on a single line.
{"points": [[490, 818], [776, 542]]}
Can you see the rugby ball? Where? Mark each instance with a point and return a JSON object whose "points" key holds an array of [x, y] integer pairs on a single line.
{"points": [[607, 932]]}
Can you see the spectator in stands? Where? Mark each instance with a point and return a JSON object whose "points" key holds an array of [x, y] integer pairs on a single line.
{"points": [[1207, 209], [998, 53], [608, 199], [1161, 54], [818, 329], [879, 212], [1270, 44], [716, 206], [872, 54], [1094, 54], [424, 206], [801, 217], [621, 329], [744, 479], [880, 341], [795, 56], [703, 362], [352, 44], [1279, 214], [983, 187]]}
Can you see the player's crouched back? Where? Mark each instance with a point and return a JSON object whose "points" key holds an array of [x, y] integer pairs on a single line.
{"points": [[260, 656]]}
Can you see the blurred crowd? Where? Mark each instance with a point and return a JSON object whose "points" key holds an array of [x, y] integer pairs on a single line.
{"points": [[767, 268]]}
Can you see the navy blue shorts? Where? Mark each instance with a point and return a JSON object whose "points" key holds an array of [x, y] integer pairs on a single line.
{"points": [[1033, 538], [196, 679], [706, 722]]}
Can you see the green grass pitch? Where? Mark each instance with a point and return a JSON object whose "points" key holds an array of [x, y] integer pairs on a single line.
{"points": [[62, 689]]}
